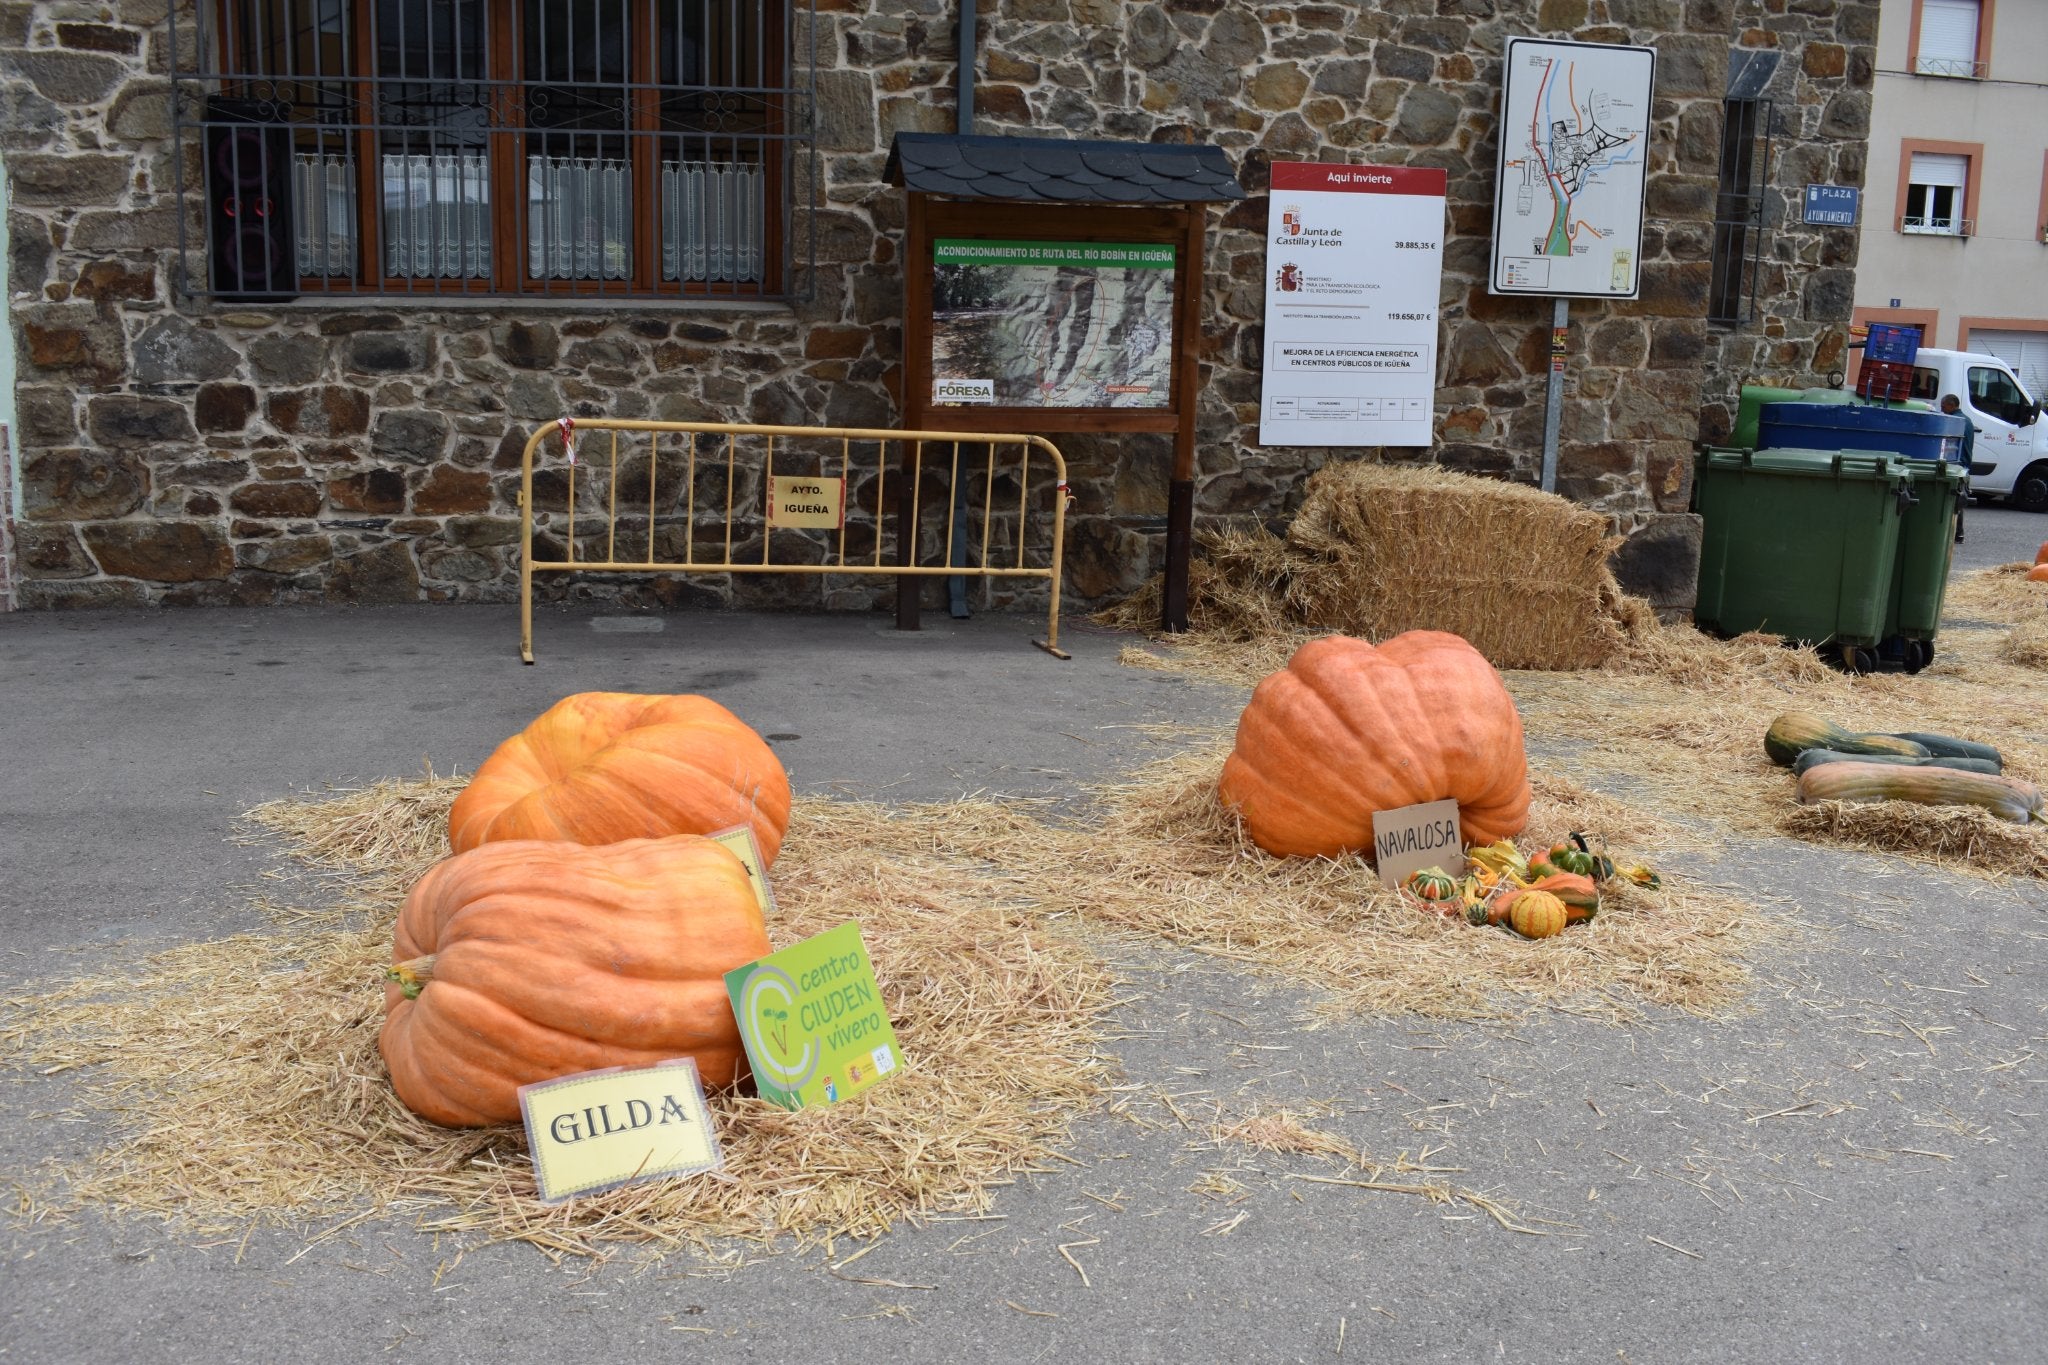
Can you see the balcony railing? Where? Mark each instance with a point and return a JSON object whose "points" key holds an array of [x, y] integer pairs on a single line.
{"points": [[1961, 67], [1937, 227]]}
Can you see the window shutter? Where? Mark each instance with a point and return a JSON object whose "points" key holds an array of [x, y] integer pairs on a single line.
{"points": [[1948, 38], [1940, 168]]}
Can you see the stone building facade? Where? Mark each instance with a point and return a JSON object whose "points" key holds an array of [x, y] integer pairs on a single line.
{"points": [[174, 450]]}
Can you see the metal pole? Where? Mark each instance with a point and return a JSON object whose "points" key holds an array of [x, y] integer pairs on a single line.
{"points": [[964, 117], [1553, 401]]}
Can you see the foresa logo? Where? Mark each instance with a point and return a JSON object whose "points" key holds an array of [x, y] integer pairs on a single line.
{"points": [[963, 391]]}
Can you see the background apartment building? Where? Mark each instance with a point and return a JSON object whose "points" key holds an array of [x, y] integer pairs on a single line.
{"points": [[1955, 207]]}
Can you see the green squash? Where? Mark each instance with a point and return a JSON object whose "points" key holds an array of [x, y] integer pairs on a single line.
{"points": [[1813, 758], [1948, 746], [1793, 733], [2019, 802]]}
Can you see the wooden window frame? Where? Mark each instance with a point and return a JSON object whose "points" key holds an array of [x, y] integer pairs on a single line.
{"points": [[506, 141]]}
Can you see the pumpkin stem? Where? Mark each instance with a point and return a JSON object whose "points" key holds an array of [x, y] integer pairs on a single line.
{"points": [[412, 977]]}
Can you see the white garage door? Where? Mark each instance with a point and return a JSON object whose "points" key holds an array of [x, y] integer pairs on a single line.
{"points": [[2026, 352]]}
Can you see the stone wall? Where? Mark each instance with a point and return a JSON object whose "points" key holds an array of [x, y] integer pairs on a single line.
{"points": [[179, 451]]}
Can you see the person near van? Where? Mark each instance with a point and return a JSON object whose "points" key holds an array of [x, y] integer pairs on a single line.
{"points": [[1952, 406]]}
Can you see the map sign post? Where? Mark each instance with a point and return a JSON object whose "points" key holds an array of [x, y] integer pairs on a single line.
{"points": [[1054, 317], [1568, 192], [1354, 268], [1568, 197]]}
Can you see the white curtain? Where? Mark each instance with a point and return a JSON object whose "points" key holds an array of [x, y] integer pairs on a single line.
{"points": [[711, 226], [437, 215]]}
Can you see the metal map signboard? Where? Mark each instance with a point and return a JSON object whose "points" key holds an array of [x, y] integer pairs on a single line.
{"points": [[1022, 324], [1568, 195]]}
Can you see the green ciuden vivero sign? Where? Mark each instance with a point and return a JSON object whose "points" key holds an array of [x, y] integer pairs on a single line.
{"points": [[812, 1019]]}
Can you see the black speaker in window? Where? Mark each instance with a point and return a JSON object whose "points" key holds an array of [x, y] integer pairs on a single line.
{"points": [[252, 252]]}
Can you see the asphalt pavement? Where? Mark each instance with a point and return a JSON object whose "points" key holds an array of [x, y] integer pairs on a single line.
{"points": [[1848, 1169]]}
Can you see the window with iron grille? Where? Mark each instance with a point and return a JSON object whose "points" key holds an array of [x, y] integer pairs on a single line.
{"points": [[622, 148], [1739, 226]]}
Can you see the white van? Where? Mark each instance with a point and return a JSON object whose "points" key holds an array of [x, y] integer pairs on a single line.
{"points": [[2011, 456]]}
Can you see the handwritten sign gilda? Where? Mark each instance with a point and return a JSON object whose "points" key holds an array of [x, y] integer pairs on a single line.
{"points": [[1414, 837]]}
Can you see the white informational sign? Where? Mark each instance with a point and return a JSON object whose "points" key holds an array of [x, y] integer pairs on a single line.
{"points": [[1568, 199], [1354, 265]]}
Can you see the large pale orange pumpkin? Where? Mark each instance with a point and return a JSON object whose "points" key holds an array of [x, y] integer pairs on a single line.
{"points": [[525, 960], [598, 767], [1349, 728]]}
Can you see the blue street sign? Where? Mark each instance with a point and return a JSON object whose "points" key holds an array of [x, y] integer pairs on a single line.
{"points": [[1832, 205]]}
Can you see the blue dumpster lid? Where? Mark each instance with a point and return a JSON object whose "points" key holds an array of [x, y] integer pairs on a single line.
{"points": [[1856, 417]]}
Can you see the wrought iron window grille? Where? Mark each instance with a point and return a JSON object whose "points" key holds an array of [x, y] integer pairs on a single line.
{"points": [[1741, 219], [490, 148]]}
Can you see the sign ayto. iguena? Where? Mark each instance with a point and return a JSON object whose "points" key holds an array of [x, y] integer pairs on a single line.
{"points": [[812, 1019]]}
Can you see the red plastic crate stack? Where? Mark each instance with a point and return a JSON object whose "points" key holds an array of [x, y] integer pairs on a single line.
{"points": [[1885, 380]]}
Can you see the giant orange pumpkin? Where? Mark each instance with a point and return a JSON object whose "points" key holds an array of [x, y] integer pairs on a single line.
{"points": [[1349, 728], [598, 767], [523, 960]]}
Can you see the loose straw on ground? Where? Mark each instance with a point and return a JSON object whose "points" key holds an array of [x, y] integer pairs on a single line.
{"points": [[250, 1089], [249, 1072]]}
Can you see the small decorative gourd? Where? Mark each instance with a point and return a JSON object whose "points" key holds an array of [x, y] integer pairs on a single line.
{"points": [[1537, 914], [1433, 885]]}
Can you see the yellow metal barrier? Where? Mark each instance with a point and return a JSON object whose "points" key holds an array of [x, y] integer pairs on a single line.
{"points": [[581, 451]]}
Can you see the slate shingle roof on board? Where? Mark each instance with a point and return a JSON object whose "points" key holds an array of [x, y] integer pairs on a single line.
{"points": [[1059, 170]]}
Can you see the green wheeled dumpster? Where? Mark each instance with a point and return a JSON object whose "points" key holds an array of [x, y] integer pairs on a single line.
{"points": [[1803, 544], [1927, 538]]}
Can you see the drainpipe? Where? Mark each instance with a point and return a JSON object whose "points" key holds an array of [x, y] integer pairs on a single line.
{"points": [[10, 441], [956, 585], [964, 124]]}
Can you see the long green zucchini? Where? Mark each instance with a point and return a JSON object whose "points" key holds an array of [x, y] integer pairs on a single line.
{"points": [[1813, 758], [1948, 746], [2004, 797]]}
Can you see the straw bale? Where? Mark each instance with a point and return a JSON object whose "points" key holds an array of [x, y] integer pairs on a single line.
{"points": [[1520, 573], [1950, 836], [1379, 549]]}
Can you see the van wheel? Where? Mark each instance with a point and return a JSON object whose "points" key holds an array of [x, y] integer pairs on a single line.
{"points": [[2030, 493]]}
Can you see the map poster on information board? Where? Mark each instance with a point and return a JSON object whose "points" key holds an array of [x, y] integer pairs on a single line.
{"points": [[1568, 196], [1052, 324], [1354, 265]]}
